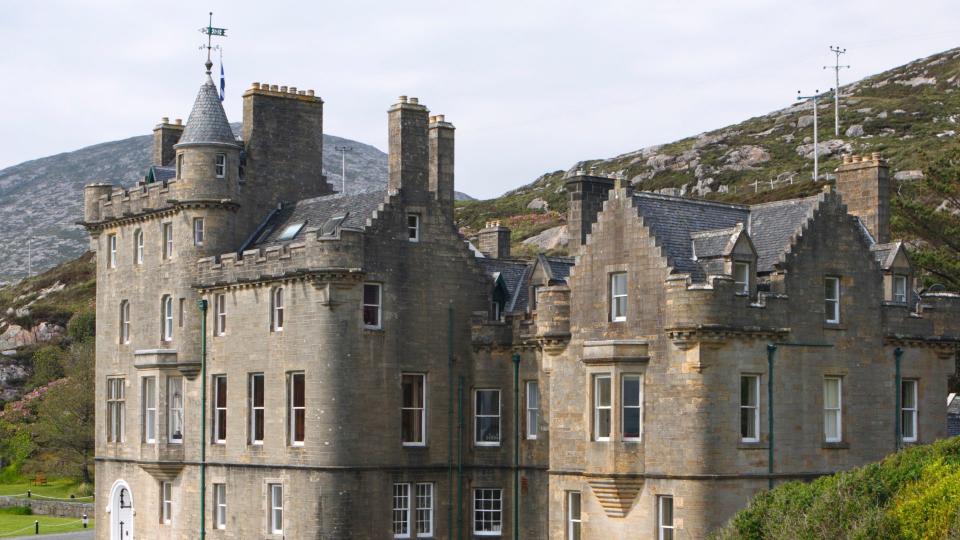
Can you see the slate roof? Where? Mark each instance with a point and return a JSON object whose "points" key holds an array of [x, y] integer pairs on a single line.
{"points": [[772, 226], [885, 253], [207, 123], [317, 211], [712, 243], [515, 276], [559, 267], [163, 174]]}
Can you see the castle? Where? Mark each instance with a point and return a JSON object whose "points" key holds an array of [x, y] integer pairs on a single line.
{"points": [[324, 365]]}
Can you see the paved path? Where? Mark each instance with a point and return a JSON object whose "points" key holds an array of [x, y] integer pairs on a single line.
{"points": [[79, 535]]}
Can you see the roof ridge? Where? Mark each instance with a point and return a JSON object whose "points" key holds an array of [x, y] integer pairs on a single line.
{"points": [[688, 200], [782, 201], [713, 232]]}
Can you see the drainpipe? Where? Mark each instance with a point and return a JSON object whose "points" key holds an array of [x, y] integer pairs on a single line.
{"points": [[450, 416], [460, 458], [516, 446], [897, 355], [771, 351], [203, 417]]}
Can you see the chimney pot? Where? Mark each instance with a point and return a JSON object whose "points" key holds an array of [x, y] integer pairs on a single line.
{"points": [[414, 100], [310, 92], [179, 121], [255, 86], [875, 156], [165, 120], [283, 89], [441, 117], [402, 99], [274, 88], [293, 89]]}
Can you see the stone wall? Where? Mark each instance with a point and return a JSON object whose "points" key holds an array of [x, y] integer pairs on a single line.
{"points": [[50, 508]]}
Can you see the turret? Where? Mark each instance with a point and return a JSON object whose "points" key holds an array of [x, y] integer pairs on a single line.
{"points": [[92, 193]]}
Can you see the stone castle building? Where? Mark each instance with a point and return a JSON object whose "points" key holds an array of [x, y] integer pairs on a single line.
{"points": [[322, 365]]}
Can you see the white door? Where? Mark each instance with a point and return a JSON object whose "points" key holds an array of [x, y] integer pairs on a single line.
{"points": [[121, 512]]}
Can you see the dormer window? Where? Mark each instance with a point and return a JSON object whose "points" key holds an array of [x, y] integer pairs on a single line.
{"points": [[413, 227], [900, 289], [221, 166], [741, 277]]}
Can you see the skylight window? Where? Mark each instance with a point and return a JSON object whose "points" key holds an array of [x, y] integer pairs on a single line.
{"points": [[291, 231]]}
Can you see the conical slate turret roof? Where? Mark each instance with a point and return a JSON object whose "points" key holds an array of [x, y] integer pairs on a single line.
{"points": [[207, 123]]}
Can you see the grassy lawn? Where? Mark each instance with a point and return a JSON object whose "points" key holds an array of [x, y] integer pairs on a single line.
{"points": [[48, 525], [56, 487]]}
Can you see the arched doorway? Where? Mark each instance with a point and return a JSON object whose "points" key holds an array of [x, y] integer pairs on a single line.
{"points": [[121, 512]]}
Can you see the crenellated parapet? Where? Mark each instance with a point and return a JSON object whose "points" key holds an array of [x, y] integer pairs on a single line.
{"points": [[107, 205], [717, 303], [553, 318], [936, 322]]}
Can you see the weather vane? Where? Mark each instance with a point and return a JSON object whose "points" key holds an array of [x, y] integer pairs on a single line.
{"points": [[210, 31]]}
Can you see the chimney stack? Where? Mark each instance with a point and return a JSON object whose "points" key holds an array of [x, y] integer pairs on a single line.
{"points": [[494, 240], [441, 163], [408, 157], [864, 186], [586, 197], [165, 135]]}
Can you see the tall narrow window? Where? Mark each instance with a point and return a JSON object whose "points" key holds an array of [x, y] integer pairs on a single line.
{"points": [[413, 412], [138, 246], [256, 408], [298, 408], [424, 509], [413, 227], [741, 277], [487, 512], [487, 411], [618, 297], [832, 403], [749, 408], [124, 321], [112, 241], [908, 410], [632, 407], [220, 314], [149, 411], [533, 409], [182, 312], [900, 289], [167, 235], [831, 299], [665, 517], [166, 502], [175, 410], [167, 318], [401, 510], [372, 302], [198, 231], [116, 409], [221, 166], [276, 508], [573, 515], [602, 398], [220, 409], [179, 166], [220, 506], [276, 310]]}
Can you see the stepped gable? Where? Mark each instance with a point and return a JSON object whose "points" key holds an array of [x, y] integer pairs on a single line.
{"points": [[773, 226], [314, 213], [207, 123], [515, 276]]}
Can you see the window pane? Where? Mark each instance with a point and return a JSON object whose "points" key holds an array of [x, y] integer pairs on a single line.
{"points": [[603, 391], [258, 425], [631, 423], [488, 429], [299, 399], [908, 394], [830, 428], [371, 294], [631, 391], [830, 288], [221, 391], [620, 283], [907, 423], [258, 390], [831, 393], [488, 402], [748, 423]]}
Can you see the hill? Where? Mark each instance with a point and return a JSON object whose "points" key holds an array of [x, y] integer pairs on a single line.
{"points": [[913, 494]]}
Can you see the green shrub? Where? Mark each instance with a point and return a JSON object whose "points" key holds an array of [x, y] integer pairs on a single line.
{"points": [[926, 509], [47, 365], [82, 325], [17, 511]]}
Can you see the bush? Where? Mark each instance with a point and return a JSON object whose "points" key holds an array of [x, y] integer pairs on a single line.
{"points": [[82, 325], [17, 511], [47, 365]]}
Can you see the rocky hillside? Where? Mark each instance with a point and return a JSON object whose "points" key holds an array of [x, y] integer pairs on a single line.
{"points": [[901, 113]]}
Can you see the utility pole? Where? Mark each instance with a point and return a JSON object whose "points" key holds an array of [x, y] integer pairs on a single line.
{"points": [[816, 156], [837, 51], [343, 166]]}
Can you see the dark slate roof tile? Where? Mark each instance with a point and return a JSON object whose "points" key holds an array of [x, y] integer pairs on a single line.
{"points": [[773, 225], [713, 243], [515, 276], [560, 267], [317, 211], [207, 122]]}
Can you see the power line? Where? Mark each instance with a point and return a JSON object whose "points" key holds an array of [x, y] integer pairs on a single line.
{"points": [[837, 51], [816, 150], [343, 166]]}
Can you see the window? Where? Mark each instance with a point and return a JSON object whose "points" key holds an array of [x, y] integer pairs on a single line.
{"points": [[182, 311], [487, 511], [831, 294], [618, 297], [124, 321], [179, 166], [167, 233], [221, 166], [256, 408], [220, 409], [149, 396], [741, 277], [138, 246], [496, 311], [832, 402], [112, 244], [533, 409], [424, 509], [220, 506], [175, 409], [198, 231], [291, 231], [664, 517], [900, 289], [601, 407], [573, 515], [401, 510], [372, 296], [166, 502], [413, 227], [167, 318], [298, 409], [487, 425], [908, 410], [116, 404], [220, 314], [276, 508], [276, 310], [413, 411], [749, 408], [632, 407]]}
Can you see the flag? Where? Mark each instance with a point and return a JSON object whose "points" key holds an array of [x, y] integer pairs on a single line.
{"points": [[223, 82]]}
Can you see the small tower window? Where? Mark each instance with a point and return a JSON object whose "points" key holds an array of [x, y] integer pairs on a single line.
{"points": [[179, 166], [220, 311], [167, 318], [167, 230], [112, 239], [221, 168], [124, 322], [138, 246], [198, 231], [413, 227], [372, 304], [276, 315]]}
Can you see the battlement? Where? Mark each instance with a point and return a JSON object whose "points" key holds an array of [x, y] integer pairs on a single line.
{"points": [[716, 302], [289, 92], [107, 202]]}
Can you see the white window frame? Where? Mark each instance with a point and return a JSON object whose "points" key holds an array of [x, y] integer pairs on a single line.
{"points": [[574, 519], [124, 322], [198, 231], [829, 412], [833, 315], [293, 409], [624, 407], [747, 408], [420, 411], [219, 410], [599, 408], [112, 246], [148, 393], [254, 408], [413, 229], [275, 494], [220, 506], [116, 409], [166, 307], [220, 314], [276, 309], [662, 527], [533, 409], [913, 412], [899, 282], [477, 416], [618, 313], [166, 230], [378, 305], [401, 511], [138, 246], [424, 509], [166, 503], [495, 521], [175, 409], [741, 277], [220, 166]]}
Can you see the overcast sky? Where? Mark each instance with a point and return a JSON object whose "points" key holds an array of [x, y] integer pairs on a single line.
{"points": [[532, 86]]}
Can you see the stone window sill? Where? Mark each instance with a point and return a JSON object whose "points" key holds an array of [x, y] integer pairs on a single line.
{"points": [[842, 445], [752, 445], [834, 326]]}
